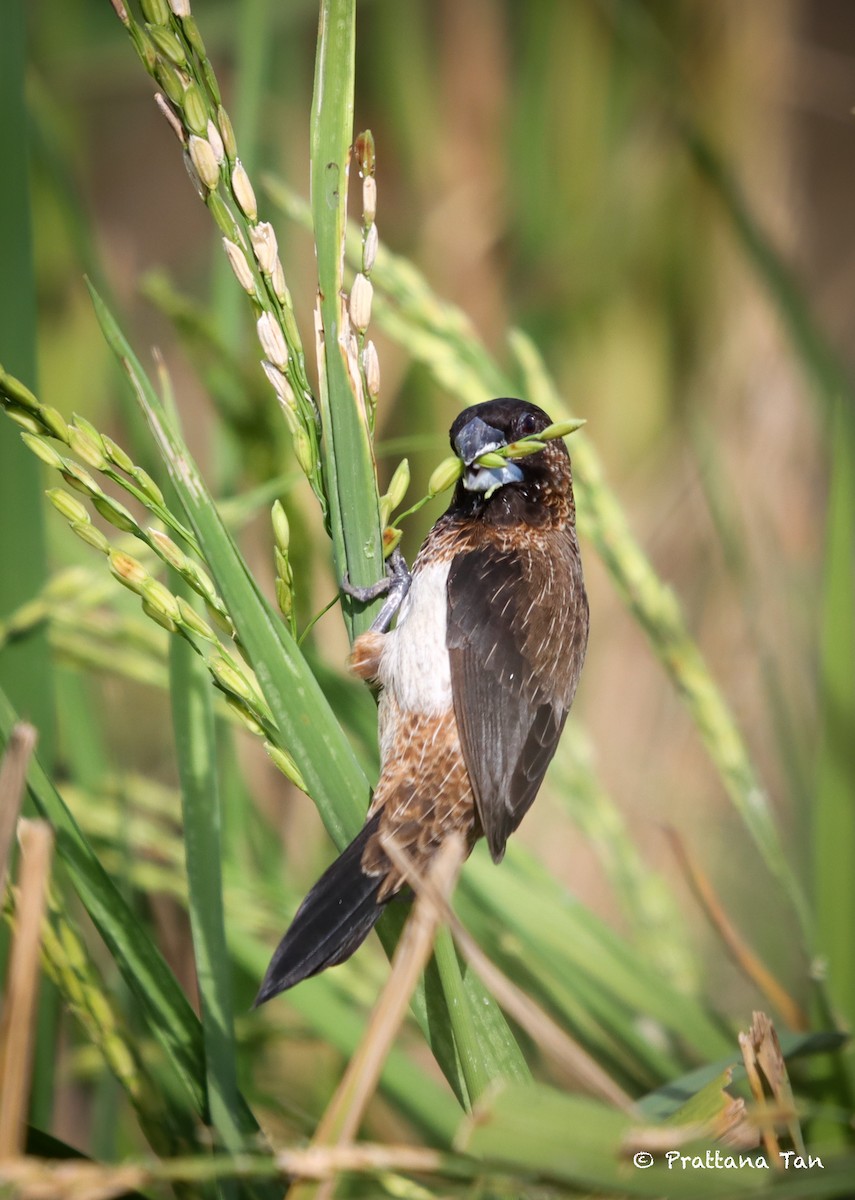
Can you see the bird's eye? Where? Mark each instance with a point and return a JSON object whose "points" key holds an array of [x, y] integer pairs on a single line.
{"points": [[527, 424]]}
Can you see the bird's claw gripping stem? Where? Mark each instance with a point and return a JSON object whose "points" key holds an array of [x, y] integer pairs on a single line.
{"points": [[394, 587]]}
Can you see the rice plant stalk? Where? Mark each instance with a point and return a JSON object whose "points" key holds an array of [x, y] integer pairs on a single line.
{"points": [[346, 446]]}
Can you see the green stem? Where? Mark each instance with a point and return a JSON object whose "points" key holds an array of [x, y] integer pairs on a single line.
{"points": [[351, 481], [475, 1072]]}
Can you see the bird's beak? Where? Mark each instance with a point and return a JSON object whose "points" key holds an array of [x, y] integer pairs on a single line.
{"points": [[477, 438]]}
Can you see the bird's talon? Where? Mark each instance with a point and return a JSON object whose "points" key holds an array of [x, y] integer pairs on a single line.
{"points": [[394, 587], [365, 594]]}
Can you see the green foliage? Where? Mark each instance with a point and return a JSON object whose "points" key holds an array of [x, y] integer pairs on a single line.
{"points": [[180, 880]]}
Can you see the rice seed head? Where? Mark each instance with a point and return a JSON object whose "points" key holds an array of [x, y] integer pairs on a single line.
{"points": [[86, 447], [195, 110], [42, 449], [286, 764], [272, 340], [399, 483], [447, 473], [280, 288], [91, 535], [361, 295], [222, 620], [88, 427], [194, 37], [160, 598], [128, 570], [371, 367], [244, 715], [155, 11], [230, 678], [75, 476], [117, 455], [200, 581], [523, 448], [281, 386], [190, 168], [263, 238], [181, 8], [391, 540], [227, 133], [167, 549], [144, 46], [27, 422], [114, 512], [369, 199], [54, 421], [281, 528], [194, 622], [241, 268], [167, 44], [243, 193], [562, 428], [213, 135], [365, 153], [68, 506], [18, 392], [171, 82], [303, 450], [147, 486], [369, 249], [284, 597], [205, 161], [157, 614]]}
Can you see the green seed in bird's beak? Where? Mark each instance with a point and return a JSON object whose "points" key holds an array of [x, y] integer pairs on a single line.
{"points": [[562, 428]]}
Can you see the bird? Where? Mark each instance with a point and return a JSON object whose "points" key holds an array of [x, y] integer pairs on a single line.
{"points": [[476, 677]]}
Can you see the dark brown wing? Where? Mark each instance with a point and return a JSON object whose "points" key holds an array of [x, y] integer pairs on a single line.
{"points": [[516, 636]]}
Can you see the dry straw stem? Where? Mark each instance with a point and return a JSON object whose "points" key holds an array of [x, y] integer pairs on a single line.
{"points": [[748, 962], [761, 1053], [17, 1029], [561, 1049], [343, 1116], [13, 778], [38, 1179]]}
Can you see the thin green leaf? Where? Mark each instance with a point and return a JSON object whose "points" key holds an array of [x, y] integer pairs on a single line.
{"points": [[665, 1101], [349, 472], [833, 813], [573, 945], [195, 742], [24, 667], [476, 1071]]}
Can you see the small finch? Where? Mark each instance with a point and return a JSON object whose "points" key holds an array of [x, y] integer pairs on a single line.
{"points": [[475, 678]]}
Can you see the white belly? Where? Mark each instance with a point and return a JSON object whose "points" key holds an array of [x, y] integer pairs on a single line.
{"points": [[414, 666]]}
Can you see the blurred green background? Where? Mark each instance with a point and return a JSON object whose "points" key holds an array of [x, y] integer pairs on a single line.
{"points": [[543, 165]]}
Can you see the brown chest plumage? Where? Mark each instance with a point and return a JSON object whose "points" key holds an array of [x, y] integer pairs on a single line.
{"points": [[504, 622]]}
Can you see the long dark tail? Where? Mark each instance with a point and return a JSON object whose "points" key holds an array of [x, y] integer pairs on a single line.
{"points": [[332, 922]]}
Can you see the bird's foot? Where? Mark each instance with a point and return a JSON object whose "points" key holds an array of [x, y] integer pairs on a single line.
{"points": [[394, 587]]}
